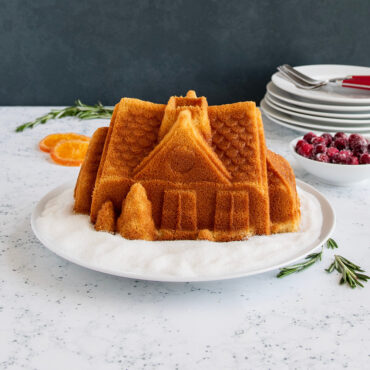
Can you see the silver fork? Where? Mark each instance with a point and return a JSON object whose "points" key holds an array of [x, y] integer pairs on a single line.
{"points": [[305, 82], [307, 79], [295, 80]]}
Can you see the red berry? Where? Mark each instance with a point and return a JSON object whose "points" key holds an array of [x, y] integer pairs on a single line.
{"points": [[341, 143], [319, 148], [299, 143], [359, 149], [365, 158], [356, 140], [305, 150], [328, 138], [318, 140], [309, 136], [322, 157], [353, 160], [331, 152], [343, 157], [340, 135]]}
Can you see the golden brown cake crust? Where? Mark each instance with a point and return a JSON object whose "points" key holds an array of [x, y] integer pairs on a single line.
{"points": [[133, 136], [198, 109], [106, 220], [136, 220], [87, 176], [284, 201], [187, 170], [182, 156]]}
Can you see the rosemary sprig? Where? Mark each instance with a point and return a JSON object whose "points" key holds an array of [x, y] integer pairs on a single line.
{"points": [[351, 273], [79, 110], [331, 243], [309, 261]]}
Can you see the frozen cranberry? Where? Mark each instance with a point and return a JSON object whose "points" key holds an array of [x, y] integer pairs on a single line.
{"points": [[353, 160], [319, 148], [322, 157], [305, 150], [342, 157], [328, 138], [356, 139], [365, 158], [318, 140], [340, 135], [299, 143], [309, 136], [341, 143], [359, 149], [332, 151]]}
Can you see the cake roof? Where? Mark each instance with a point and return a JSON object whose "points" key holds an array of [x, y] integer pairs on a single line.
{"points": [[230, 135]]}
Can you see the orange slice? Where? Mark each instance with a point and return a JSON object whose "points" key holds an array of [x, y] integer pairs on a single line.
{"points": [[69, 152], [49, 142]]}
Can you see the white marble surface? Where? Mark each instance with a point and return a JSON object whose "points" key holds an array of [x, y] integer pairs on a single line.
{"points": [[56, 315]]}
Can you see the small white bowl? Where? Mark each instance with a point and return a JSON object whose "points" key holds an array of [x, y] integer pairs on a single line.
{"points": [[331, 173]]}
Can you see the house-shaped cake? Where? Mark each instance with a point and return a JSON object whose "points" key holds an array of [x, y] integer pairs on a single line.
{"points": [[186, 170]]}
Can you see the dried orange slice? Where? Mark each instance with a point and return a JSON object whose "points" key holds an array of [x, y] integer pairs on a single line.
{"points": [[49, 142], [69, 152]]}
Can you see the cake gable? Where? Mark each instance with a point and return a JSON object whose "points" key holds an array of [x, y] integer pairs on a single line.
{"points": [[182, 156]]}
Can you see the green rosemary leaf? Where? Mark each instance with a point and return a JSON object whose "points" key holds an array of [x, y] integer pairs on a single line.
{"points": [[352, 265], [79, 110], [331, 243], [330, 268], [309, 261], [362, 277], [358, 283], [349, 271]]}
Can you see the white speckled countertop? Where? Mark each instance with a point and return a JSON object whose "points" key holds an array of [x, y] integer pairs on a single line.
{"points": [[56, 315]]}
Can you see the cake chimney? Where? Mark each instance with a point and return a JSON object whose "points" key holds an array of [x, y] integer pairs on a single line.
{"points": [[198, 108]]}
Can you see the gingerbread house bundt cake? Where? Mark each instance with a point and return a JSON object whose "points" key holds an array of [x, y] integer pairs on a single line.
{"points": [[186, 170]]}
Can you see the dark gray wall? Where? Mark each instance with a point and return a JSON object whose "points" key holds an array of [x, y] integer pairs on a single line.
{"points": [[52, 52]]}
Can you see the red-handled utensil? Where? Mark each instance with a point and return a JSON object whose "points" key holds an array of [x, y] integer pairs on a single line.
{"points": [[305, 82], [356, 82]]}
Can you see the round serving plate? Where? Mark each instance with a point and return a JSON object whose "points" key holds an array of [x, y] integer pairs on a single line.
{"points": [[329, 93], [312, 112], [304, 123], [283, 256], [329, 120]]}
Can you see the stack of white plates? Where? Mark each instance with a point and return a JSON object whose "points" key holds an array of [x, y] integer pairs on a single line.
{"points": [[330, 108]]}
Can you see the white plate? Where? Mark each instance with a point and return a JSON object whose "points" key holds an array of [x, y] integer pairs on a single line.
{"points": [[329, 120], [286, 118], [300, 129], [296, 252], [330, 93], [297, 100], [292, 107]]}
